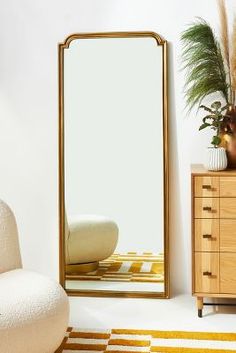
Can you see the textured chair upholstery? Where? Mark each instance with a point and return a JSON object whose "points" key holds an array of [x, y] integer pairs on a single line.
{"points": [[34, 309], [10, 258]]}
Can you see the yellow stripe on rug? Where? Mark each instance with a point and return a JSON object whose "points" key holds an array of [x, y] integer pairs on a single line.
{"points": [[217, 336], [130, 267], [188, 350], [143, 341]]}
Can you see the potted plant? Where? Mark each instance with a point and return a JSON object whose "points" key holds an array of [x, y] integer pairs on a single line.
{"points": [[210, 67], [217, 159]]}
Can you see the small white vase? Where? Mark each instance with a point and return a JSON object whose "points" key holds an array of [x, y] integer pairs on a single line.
{"points": [[216, 159]]}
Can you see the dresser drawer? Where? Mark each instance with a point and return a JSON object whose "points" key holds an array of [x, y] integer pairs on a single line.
{"points": [[228, 207], [206, 234], [206, 207], [228, 273], [206, 272], [228, 186], [206, 186], [228, 235]]}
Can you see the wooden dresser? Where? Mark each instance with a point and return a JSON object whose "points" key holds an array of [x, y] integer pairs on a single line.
{"points": [[213, 234]]}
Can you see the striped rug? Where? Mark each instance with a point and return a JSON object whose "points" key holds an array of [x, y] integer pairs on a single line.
{"points": [[142, 341], [130, 267]]}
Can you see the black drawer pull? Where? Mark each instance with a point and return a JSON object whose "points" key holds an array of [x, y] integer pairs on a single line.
{"points": [[207, 187], [207, 236], [207, 273], [207, 208]]}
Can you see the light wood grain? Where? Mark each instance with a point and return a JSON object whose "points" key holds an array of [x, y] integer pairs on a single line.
{"points": [[228, 207], [215, 295], [203, 228], [217, 257], [227, 186], [201, 203], [205, 186], [207, 262], [228, 235], [200, 170], [228, 273]]}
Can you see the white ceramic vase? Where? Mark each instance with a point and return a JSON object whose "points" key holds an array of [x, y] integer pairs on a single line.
{"points": [[216, 159]]}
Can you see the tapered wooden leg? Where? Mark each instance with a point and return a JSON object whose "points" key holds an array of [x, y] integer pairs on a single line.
{"points": [[199, 306]]}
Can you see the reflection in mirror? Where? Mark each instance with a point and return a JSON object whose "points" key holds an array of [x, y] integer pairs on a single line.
{"points": [[114, 209]]}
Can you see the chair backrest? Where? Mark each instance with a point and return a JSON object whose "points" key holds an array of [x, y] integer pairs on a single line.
{"points": [[10, 257]]}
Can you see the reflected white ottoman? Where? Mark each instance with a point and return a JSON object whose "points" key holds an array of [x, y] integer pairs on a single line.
{"points": [[89, 239], [34, 310]]}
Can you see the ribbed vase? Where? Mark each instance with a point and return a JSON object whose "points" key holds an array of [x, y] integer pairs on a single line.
{"points": [[216, 159]]}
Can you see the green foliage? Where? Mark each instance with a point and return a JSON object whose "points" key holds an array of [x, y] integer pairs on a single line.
{"points": [[214, 120], [204, 64]]}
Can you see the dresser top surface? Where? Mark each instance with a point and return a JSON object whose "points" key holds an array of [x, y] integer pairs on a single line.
{"points": [[197, 169]]}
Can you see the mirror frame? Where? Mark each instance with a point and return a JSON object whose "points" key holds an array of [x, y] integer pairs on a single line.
{"points": [[105, 293]]}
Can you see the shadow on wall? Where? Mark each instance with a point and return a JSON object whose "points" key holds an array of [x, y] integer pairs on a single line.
{"points": [[177, 278]]}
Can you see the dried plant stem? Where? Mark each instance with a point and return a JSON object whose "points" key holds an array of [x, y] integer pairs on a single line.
{"points": [[233, 62], [225, 43]]}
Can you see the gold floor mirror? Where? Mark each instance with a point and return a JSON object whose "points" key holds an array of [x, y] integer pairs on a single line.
{"points": [[113, 165]]}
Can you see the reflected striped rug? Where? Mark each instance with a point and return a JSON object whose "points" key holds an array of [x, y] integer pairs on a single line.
{"points": [[142, 341], [130, 267]]}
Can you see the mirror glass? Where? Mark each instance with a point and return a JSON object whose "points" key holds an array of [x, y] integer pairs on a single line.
{"points": [[114, 180]]}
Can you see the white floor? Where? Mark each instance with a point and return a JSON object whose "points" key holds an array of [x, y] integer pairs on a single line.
{"points": [[178, 313]]}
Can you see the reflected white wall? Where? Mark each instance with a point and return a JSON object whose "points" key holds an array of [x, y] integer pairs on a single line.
{"points": [[114, 136]]}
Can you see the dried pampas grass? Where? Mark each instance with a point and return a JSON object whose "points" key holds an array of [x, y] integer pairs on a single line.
{"points": [[226, 47], [233, 60], [224, 30]]}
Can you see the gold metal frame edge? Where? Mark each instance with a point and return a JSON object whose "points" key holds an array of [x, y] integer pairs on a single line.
{"points": [[96, 35], [116, 294], [104, 293]]}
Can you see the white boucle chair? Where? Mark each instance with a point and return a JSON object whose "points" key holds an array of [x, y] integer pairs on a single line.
{"points": [[34, 309]]}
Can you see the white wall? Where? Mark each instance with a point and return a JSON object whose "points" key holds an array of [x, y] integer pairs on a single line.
{"points": [[29, 33]]}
